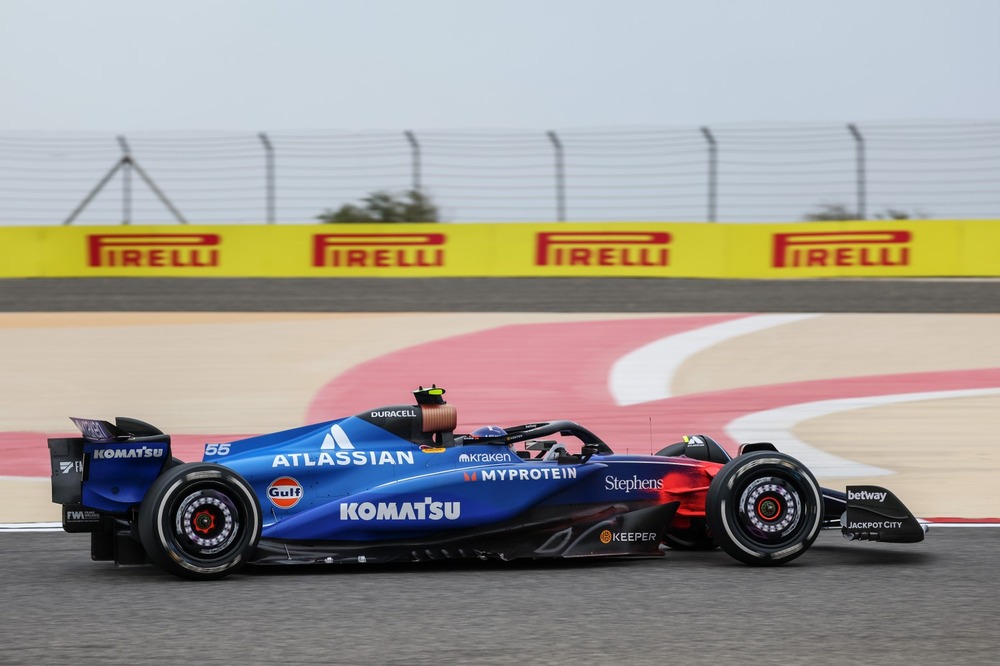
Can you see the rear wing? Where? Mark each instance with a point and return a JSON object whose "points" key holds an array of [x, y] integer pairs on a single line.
{"points": [[108, 469], [124, 428]]}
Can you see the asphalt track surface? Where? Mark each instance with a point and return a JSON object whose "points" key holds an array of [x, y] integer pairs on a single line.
{"points": [[841, 603], [937, 602], [497, 295]]}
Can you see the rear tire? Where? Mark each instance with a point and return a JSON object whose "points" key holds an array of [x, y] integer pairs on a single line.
{"points": [[200, 521], [764, 508]]}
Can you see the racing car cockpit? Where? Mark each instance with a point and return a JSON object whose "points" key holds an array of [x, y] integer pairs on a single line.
{"points": [[535, 436], [432, 422]]}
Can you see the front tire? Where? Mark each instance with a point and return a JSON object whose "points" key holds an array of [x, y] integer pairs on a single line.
{"points": [[200, 521], [764, 508]]}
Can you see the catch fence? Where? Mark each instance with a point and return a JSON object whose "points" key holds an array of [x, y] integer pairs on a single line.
{"points": [[730, 173]]}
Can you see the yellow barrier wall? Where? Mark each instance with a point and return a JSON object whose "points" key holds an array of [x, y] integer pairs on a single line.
{"points": [[617, 249]]}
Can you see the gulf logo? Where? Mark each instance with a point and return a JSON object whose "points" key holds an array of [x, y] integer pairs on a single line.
{"points": [[284, 492]]}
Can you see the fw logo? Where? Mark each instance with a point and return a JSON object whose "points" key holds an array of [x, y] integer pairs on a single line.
{"points": [[70, 466]]}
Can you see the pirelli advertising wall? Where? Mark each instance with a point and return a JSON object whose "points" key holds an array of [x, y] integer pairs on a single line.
{"points": [[618, 249]]}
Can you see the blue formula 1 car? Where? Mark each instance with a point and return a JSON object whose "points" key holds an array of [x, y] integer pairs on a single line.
{"points": [[398, 484]]}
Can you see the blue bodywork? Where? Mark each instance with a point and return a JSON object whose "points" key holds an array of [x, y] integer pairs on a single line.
{"points": [[356, 481], [398, 483]]}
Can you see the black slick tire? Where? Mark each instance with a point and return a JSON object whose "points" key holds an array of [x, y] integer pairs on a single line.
{"points": [[764, 508], [200, 521]]}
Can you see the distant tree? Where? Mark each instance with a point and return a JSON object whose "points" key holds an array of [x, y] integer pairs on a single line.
{"points": [[896, 214], [831, 212], [892, 214], [384, 206]]}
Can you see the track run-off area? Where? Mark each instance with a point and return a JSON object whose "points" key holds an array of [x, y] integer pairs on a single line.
{"points": [[895, 383]]}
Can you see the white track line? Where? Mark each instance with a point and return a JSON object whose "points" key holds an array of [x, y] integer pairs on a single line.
{"points": [[646, 373], [775, 425], [30, 527], [936, 525]]}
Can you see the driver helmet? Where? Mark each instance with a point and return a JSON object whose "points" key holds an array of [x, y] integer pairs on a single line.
{"points": [[487, 432]]}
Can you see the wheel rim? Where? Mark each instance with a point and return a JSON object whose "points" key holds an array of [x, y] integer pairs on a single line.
{"points": [[770, 511], [207, 523]]}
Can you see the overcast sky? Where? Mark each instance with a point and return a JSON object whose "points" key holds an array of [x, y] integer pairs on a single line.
{"points": [[68, 65]]}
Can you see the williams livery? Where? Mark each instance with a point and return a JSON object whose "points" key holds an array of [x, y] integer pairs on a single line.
{"points": [[399, 484]]}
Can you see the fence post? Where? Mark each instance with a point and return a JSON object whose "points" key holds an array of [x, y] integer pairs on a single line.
{"points": [[415, 151], [713, 172], [126, 180], [156, 190], [269, 176], [97, 188], [859, 144], [126, 162], [560, 177]]}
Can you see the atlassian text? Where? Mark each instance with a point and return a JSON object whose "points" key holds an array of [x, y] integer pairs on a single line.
{"points": [[324, 458]]}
